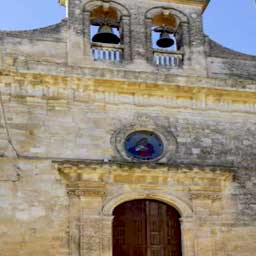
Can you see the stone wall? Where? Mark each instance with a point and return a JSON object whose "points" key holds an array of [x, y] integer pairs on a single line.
{"points": [[64, 118], [52, 118], [33, 209], [211, 126]]}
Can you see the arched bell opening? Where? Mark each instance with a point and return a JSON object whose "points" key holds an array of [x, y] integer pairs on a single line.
{"points": [[164, 26], [146, 227], [105, 25], [166, 31], [106, 33]]}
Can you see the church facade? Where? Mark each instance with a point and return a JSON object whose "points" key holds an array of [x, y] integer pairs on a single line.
{"points": [[126, 131]]}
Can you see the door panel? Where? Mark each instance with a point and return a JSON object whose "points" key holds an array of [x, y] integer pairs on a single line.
{"points": [[146, 228], [129, 229]]}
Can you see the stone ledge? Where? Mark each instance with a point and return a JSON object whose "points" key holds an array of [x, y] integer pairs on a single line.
{"points": [[199, 177], [198, 3], [185, 92]]}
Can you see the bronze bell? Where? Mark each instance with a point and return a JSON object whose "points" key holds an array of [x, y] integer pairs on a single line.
{"points": [[165, 41], [105, 35]]}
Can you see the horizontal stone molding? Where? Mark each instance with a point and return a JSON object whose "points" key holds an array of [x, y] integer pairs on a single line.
{"points": [[62, 91], [90, 180]]}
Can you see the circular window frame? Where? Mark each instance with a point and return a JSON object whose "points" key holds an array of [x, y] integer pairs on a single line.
{"points": [[158, 137], [168, 139]]}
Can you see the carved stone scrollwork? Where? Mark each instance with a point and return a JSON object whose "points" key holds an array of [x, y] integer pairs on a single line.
{"points": [[85, 189], [85, 192], [144, 123], [205, 196]]}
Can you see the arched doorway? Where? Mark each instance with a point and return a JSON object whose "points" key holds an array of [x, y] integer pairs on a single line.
{"points": [[146, 228]]}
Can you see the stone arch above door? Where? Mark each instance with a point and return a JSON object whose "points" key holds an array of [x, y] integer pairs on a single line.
{"points": [[184, 209]]}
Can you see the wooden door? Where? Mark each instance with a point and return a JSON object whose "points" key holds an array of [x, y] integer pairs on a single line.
{"points": [[146, 228]]}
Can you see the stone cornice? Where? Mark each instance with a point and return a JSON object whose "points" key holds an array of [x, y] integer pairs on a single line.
{"points": [[152, 166], [73, 170], [117, 74], [189, 92], [94, 179], [198, 3]]}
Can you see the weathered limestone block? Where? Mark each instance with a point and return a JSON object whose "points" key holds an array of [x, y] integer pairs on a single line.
{"points": [[33, 218]]}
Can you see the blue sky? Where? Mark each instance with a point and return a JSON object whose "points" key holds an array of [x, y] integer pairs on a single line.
{"points": [[229, 22]]}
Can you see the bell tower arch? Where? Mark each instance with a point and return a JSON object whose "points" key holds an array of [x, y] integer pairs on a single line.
{"points": [[129, 30], [109, 35]]}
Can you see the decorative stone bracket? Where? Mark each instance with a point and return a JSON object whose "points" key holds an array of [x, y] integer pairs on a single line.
{"points": [[86, 189]]}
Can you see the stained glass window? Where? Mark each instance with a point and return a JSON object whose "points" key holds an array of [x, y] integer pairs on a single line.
{"points": [[143, 145]]}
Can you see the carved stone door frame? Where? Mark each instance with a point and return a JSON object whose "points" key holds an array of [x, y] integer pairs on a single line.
{"points": [[95, 190]]}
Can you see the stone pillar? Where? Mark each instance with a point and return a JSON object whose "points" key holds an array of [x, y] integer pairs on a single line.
{"points": [[198, 57], [95, 230], [149, 50], [138, 40], [196, 30], [75, 43], [96, 236], [74, 224], [187, 237], [90, 240], [107, 235], [87, 36], [219, 246], [126, 30], [185, 43]]}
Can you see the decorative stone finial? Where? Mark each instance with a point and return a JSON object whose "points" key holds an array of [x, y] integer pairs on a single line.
{"points": [[62, 2]]}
